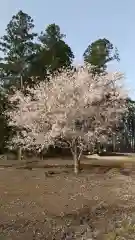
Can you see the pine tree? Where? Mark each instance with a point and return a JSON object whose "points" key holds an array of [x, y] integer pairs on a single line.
{"points": [[53, 52], [99, 53], [18, 47]]}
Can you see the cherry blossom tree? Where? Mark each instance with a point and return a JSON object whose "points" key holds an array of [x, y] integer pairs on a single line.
{"points": [[74, 109]]}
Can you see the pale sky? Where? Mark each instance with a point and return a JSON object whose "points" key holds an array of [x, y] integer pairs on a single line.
{"points": [[83, 22]]}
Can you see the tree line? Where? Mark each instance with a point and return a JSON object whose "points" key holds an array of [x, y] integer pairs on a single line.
{"points": [[28, 58]]}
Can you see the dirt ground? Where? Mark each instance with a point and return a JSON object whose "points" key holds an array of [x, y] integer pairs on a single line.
{"points": [[47, 204]]}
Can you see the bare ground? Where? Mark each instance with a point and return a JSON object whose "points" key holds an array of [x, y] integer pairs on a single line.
{"points": [[55, 204]]}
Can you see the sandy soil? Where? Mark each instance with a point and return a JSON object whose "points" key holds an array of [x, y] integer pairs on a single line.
{"points": [[35, 204]]}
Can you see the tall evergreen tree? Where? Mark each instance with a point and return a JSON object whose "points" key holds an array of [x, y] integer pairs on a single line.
{"points": [[99, 53], [18, 47], [53, 53]]}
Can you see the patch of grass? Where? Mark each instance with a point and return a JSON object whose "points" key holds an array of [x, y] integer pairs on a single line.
{"points": [[126, 231], [3, 237]]}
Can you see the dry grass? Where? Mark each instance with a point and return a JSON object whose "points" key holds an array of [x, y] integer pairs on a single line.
{"points": [[58, 205], [86, 162]]}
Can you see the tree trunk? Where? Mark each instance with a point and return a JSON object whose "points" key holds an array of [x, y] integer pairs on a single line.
{"points": [[19, 153], [76, 165], [114, 143], [76, 160], [42, 157]]}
